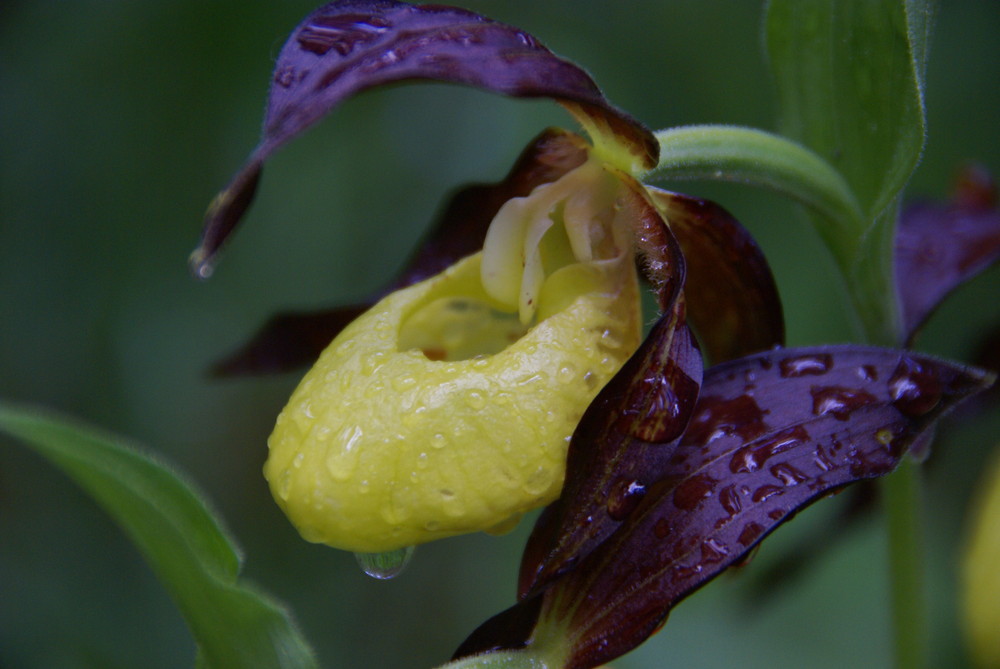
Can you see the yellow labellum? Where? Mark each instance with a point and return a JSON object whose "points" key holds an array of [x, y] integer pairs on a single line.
{"points": [[384, 444]]}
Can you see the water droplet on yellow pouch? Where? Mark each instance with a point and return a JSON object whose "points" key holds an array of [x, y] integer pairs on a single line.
{"points": [[538, 482], [475, 400], [372, 362], [343, 459], [403, 383], [284, 484], [452, 505], [566, 375], [610, 339]]}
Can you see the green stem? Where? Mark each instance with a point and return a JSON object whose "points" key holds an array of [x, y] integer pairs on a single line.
{"points": [[902, 500], [758, 158], [862, 249]]}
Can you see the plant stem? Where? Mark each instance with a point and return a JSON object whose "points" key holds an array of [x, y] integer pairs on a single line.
{"points": [[759, 158], [902, 502], [873, 290]]}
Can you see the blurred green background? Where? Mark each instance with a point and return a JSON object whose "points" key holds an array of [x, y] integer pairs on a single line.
{"points": [[120, 120]]}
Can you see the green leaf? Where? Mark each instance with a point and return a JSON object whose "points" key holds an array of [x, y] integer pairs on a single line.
{"points": [[850, 87], [234, 624]]}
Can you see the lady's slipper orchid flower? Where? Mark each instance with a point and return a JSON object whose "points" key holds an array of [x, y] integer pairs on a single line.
{"points": [[448, 406], [503, 370]]}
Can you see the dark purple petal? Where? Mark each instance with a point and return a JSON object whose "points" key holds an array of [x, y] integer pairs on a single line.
{"points": [[621, 447], [290, 341], [346, 47], [770, 434], [733, 302], [663, 263], [939, 247]]}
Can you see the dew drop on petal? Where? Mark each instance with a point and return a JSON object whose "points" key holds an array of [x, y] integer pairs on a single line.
{"points": [[567, 374], [475, 400], [285, 485], [386, 565]]}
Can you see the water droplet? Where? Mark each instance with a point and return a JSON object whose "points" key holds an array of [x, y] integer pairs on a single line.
{"points": [[403, 383], [475, 400], [439, 441], [719, 417], [566, 374], [340, 33], [915, 391], [689, 494], [386, 565], [821, 459], [730, 500], [805, 365], [343, 459], [200, 265], [525, 39], [712, 551], [297, 461], [453, 506], [788, 474], [625, 494], [683, 572], [285, 484], [868, 373], [538, 481], [750, 533], [285, 76], [838, 401], [372, 362], [610, 340], [766, 492], [395, 514], [656, 403], [752, 457]]}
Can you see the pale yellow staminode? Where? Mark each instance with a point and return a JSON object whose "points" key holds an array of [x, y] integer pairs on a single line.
{"points": [[445, 409]]}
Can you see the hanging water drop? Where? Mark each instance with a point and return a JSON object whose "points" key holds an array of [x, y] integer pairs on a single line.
{"points": [[384, 566], [201, 265]]}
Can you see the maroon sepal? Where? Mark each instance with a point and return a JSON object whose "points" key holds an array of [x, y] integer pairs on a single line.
{"points": [[347, 47]]}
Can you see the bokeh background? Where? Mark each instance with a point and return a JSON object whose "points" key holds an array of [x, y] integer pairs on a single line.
{"points": [[120, 120]]}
